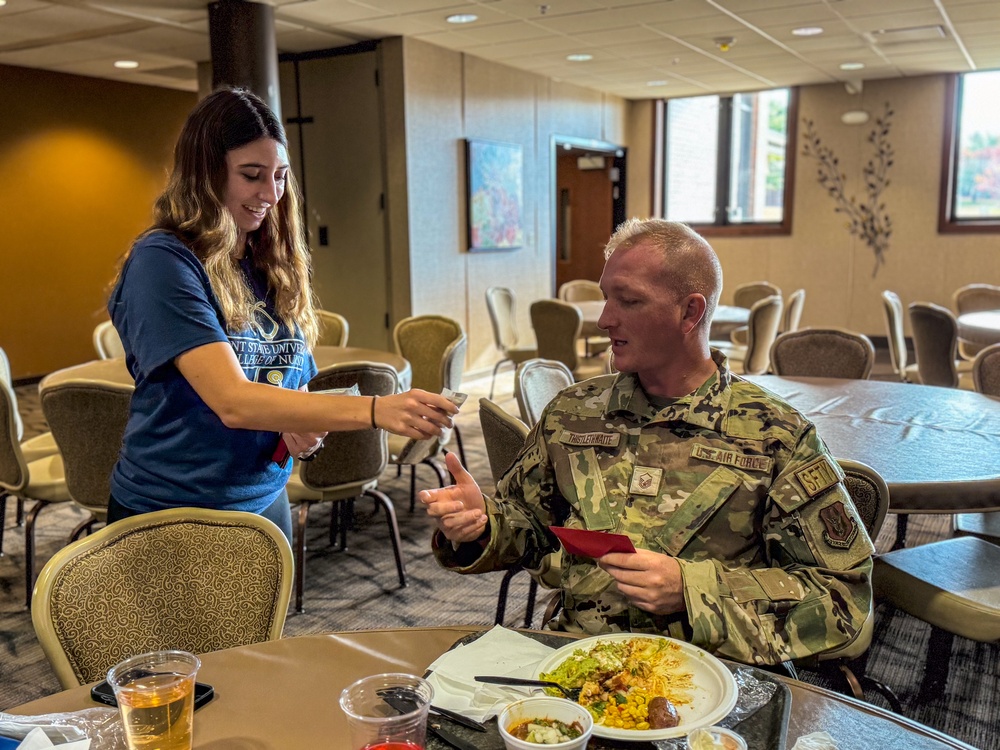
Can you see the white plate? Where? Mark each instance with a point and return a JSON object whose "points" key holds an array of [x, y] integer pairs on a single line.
{"points": [[712, 696]]}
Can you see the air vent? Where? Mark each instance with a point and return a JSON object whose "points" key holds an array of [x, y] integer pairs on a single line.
{"points": [[907, 35]]}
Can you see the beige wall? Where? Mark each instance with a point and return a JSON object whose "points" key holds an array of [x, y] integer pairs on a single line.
{"points": [[449, 97], [81, 161], [834, 267]]}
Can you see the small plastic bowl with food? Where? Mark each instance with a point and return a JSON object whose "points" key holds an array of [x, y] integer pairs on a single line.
{"points": [[715, 738], [554, 722]]}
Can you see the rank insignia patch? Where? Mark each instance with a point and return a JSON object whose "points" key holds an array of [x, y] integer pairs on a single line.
{"points": [[840, 529], [645, 481]]}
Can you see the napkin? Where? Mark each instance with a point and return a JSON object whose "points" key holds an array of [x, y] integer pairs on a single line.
{"points": [[38, 740], [497, 652], [591, 543], [815, 741]]}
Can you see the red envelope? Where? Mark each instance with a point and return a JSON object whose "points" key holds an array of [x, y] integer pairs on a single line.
{"points": [[591, 543]]}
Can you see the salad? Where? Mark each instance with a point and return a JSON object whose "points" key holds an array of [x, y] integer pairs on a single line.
{"points": [[628, 684], [546, 731]]}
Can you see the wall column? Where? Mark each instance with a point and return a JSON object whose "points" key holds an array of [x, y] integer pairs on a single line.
{"points": [[244, 52]]}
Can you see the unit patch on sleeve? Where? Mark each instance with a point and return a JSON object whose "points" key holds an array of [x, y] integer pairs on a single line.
{"points": [[840, 529], [732, 458], [817, 477]]}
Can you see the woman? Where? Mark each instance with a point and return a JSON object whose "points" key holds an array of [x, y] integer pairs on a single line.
{"points": [[214, 307]]}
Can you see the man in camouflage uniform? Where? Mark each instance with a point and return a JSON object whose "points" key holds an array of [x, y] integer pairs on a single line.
{"points": [[747, 543]]}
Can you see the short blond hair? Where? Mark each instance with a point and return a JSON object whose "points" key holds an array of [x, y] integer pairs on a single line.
{"points": [[690, 263]]}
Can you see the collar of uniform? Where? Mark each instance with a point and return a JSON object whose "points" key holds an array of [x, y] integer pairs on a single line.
{"points": [[704, 408]]}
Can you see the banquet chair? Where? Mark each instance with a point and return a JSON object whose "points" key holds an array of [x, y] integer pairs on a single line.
{"points": [[88, 418], [935, 342], [793, 311], [536, 383], [974, 298], [557, 326], [754, 358], [823, 353], [107, 342], [950, 584], [870, 495], [32, 449], [347, 467], [333, 328], [194, 579], [504, 435], [42, 481], [892, 307], [435, 347], [746, 295], [501, 304], [582, 290]]}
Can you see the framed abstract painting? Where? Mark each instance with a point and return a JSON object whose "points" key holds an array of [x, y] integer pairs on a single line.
{"points": [[495, 173]]}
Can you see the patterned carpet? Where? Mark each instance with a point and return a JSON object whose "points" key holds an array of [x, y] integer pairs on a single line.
{"points": [[357, 589]]}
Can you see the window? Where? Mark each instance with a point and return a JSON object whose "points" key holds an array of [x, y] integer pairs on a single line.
{"points": [[970, 195], [729, 161]]}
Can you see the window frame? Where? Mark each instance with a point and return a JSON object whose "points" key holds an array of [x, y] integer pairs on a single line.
{"points": [[947, 224], [724, 170]]}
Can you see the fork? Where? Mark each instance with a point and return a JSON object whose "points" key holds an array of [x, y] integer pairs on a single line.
{"points": [[572, 693]]}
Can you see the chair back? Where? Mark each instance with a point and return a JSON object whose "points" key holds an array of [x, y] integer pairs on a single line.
{"points": [[501, 306], [536, 383], [557, 326], [435, 348], [935, 342], [13, 469], [823, 353], [333, 328], [793, 310], [580, 290], [762, 329], [107, 342], [869, 492], [893, 309], [504, 435], [87, 419], [6, 376], [357, 455], [186, 578], [745, 295], [986, 370]]}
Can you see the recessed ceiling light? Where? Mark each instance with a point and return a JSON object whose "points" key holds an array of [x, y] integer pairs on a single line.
{"points": [[579, 57], [852, 66], [462, 18], [656, 83], [126, 64], [3, 3], [807, 31]]}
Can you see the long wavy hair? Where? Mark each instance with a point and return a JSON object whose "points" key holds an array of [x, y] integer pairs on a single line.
{"points": [[192, 208]]}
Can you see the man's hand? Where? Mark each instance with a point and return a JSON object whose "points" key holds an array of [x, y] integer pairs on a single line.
{"points": [[459, 510], [649, 580]]}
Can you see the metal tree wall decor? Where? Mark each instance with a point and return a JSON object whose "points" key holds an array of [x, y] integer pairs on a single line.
{"points": [[868, 219]]}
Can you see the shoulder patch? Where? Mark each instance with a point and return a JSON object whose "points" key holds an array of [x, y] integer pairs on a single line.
{"points": [[817, 477], [839, 528]]}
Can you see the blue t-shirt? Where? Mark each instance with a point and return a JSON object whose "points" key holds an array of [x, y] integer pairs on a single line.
{"points": [[176, 451]]}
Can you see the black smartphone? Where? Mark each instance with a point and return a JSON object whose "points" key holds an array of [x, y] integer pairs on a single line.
{"points": [[103, 693]]}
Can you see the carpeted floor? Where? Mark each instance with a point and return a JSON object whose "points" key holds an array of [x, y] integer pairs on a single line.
{"points": [[357, 589]]}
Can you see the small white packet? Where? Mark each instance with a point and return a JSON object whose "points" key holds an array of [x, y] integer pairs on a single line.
{"points": [[815, 741], [36, 739]]}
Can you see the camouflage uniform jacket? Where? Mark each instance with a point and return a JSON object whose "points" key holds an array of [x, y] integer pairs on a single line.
{"points": [[730, 480]]}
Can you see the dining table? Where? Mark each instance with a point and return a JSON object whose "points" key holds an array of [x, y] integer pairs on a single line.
{"points": [[938, 449], [726, 318], [284, 694], [982, 327], [115, 371]]}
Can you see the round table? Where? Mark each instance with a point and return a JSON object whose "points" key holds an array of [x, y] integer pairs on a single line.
{"points": [[283, 694], [938, 449], [981, 327]]}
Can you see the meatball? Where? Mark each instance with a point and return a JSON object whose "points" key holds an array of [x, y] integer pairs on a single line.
{"points": [[662, 714]]}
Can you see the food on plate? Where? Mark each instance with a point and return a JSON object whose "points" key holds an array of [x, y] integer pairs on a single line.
{"points": [[662, 714], [545, 731], [630, 683]]}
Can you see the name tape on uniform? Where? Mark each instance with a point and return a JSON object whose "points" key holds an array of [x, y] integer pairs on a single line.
{"points": [[732, 458], [602, 439]]}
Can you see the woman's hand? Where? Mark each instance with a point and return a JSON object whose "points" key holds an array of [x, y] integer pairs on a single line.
{"points": [[458, 510], [414, 414], [303, 444]]}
